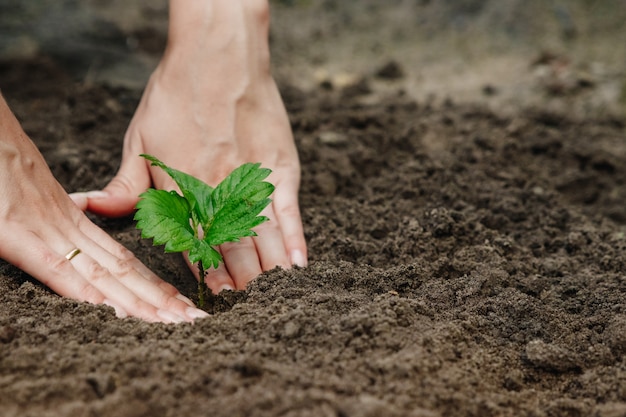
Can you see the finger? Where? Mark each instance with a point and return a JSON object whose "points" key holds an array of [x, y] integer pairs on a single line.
{"points": [[121, 194], [269, 243], [287, 211], [120, 252], [81, 199], [242, 261], [116, 292], [79, 249], [217, 280], [124, 266], [51, 268]]}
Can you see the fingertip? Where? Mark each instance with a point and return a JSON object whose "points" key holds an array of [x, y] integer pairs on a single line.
{"points": [[219, 280], [169, 317], [116, 200], [298, 258], [225, 287], [80, 199], [290, 221], [119, 311], [121, 194], [185, 300], [85, 198], [293, 238], [196, 313]]}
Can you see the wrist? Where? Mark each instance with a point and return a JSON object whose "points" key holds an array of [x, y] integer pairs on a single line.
{"points": [[218, 48], [194, 19], [199, 29], [11, 133]]}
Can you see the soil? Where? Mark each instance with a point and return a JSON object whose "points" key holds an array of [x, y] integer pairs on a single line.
{"points": [[463, 262]]}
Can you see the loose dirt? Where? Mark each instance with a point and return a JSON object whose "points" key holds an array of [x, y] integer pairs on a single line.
{"points": [[463, 262]]}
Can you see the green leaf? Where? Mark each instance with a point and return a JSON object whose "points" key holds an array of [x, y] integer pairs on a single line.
{"points": [[225, 213], [164, 216], [203, 251], [235, 204], [195, 191]]}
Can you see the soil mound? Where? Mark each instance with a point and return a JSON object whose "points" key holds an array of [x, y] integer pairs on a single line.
{"points": [[462, 263]]}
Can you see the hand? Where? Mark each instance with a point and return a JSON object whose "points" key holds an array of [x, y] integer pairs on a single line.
{"points": [[41, 226], [210, 106]]}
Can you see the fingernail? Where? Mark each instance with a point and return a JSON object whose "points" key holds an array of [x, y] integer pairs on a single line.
{"points": [[80, 199], [185, 300], [298, 258], [226, 287], [119, 311], [170, 317], [196, 313], [95, 195]]}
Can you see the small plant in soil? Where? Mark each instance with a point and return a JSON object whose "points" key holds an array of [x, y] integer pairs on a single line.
{"points": [[204, 217]]}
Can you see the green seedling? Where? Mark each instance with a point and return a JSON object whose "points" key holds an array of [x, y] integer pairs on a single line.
{"points": [[204, 217]]}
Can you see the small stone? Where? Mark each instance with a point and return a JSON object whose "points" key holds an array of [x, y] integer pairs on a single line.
{"points": [[291, 329], [551, 357], [333, 138], [7, 334], [537, 190], [390, 71]]}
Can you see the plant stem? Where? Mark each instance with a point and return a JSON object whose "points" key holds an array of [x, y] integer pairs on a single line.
{"points": [[201, 285]]}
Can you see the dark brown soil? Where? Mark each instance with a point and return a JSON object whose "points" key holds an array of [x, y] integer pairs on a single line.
{"points": [[463, 263]]}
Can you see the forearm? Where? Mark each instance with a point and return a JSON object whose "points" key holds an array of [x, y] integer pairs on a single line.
{"points": [[8, 124], [227, 39], [12, 137]]}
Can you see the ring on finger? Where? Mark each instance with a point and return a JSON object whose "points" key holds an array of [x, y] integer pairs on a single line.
{"points": [[71, 254]]}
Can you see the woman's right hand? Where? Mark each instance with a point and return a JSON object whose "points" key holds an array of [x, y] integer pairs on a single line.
{"points": [[41, 227]]}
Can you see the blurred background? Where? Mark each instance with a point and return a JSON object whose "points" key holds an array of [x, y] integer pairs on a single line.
{"points": [[562, 55]]}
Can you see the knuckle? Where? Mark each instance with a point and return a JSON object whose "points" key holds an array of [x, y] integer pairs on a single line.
{"points": [[96, 272], [123, 267], [60, 268], [123, 254], [141, 308], [167, 288], [166, 302], [90, 294], [58, 264], [124, 261], [288, 210]]}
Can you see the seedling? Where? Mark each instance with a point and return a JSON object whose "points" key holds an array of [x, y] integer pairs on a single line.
{"points": [[204, 217]]}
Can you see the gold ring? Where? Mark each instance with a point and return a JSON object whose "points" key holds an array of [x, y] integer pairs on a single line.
{"points": [[70, 255]]}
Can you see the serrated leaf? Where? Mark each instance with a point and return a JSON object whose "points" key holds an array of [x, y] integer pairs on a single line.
{"points": [[202, 251], [194, 190], [236, 203], [225, 213], [163, 216]]}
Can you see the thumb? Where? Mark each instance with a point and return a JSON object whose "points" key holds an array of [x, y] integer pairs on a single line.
{"points": [[121, 195]]}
